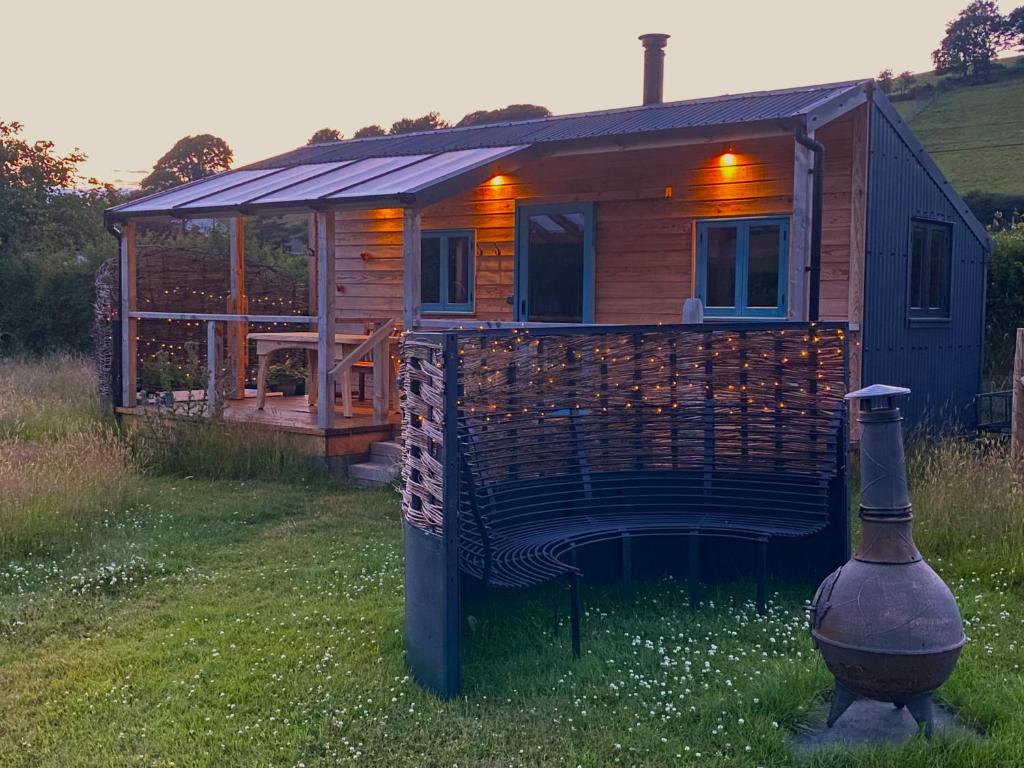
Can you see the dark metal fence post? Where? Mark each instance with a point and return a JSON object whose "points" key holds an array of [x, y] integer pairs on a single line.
{"points": [[450, 531]]}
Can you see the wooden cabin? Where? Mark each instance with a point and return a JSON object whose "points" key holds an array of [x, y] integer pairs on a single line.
{"points": [[811, 203]]}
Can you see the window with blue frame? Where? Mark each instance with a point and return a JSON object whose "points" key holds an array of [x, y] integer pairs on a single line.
{"points": [[446, 271], [741, 266]]}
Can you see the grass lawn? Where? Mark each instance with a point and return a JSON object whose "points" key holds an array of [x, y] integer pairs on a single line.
{"points": [[217, 622]]}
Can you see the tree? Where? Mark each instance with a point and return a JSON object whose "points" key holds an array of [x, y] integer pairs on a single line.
{"points": [[191, 158], [884, 81], [369, 131], [906, 82], [972, 41], [507, 114], [51, 239], [428, 122], [326, 134], [1015, 27]]}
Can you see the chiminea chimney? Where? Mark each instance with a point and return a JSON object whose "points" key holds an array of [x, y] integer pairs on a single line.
{"points": [[654, 67]]}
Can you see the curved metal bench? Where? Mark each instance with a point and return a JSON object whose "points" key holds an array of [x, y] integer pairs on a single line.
{"points": [[523, 520]]}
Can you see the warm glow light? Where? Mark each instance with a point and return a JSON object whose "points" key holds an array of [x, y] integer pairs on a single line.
{"points": [[728, 158], [497, 180]]}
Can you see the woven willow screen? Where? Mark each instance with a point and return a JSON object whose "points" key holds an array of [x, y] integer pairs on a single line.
{"points": [[762, 398]]}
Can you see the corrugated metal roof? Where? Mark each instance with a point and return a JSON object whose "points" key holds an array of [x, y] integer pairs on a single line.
{"points": [[696, 113], [396, 166]]}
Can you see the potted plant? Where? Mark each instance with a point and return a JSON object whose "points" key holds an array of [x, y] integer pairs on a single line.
{"points": [[288, 378]]}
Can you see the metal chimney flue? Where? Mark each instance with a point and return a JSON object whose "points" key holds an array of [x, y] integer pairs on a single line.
{"points": [[654, 67]]}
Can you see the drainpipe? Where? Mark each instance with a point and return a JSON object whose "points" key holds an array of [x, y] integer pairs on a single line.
{"points": [[818, 149], [115, 356]]}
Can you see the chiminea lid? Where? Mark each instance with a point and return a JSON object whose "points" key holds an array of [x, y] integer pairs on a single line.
{"points": [[877, 390]]}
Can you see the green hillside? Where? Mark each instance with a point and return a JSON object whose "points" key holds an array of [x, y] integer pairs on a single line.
{"points": [[975, 133]]}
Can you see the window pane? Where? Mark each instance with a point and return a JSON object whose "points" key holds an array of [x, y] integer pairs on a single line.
{"points": [[555, 267], [938, 269], [721, 283], [458, 269], [430, 270], [763, 266], [917, 256]]}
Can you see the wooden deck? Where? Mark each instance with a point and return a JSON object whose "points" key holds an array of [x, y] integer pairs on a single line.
{"points": [[347, 442]]}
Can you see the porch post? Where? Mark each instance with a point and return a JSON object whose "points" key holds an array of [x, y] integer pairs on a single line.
{"points": [[800, 237], [129, 326], [326, 289], [411, 226], [238, 304]]}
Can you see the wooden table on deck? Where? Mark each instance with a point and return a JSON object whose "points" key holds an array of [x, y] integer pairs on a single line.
{"points": [[268, 343]]}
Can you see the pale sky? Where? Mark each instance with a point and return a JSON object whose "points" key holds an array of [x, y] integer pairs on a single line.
{"points": [[124, 80]]}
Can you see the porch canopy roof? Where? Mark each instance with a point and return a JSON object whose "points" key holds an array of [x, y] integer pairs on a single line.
{"points": [[419, 168], [398, 180]]}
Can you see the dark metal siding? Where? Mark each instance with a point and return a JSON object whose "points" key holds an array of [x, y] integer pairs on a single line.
{"points": [[941, 364]]}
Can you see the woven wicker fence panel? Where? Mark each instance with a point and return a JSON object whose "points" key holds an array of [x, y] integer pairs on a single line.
{"points": [[421, 377], [539, 404], [172, 279], [727, 399]]}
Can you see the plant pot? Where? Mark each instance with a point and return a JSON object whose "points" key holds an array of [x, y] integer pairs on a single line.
{"points": [[287, 388]]}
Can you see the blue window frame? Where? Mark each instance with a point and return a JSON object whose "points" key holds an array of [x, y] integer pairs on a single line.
{"points": [[554, 263], [741, 266], [447, 271]]}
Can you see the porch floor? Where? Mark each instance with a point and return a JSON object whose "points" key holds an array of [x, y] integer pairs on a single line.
{"points": [[349, 439]]}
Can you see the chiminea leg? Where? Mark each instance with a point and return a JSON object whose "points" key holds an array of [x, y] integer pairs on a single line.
{"points": [[921, 709], [842, 698]]}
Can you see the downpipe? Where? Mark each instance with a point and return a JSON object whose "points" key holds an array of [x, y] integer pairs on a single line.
{"points": [[817, 202]]}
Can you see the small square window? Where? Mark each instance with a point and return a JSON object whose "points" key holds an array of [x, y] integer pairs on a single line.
{"points": [[446, 271], [931, 263], [741, 267]]}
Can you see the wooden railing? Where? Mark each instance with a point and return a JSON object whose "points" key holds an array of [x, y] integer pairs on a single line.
{"points": [[378, 347]]}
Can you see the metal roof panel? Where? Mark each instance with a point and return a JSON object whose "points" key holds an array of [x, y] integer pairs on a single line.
{"points": [[350, 175], [274, 182], [414, 177], [165, 201]]}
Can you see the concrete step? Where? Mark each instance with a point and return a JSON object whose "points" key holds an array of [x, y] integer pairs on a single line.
{"points": [[386, 452], [373, 473]]}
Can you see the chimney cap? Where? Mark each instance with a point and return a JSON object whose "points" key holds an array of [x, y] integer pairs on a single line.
{"points": [[654, 39]]}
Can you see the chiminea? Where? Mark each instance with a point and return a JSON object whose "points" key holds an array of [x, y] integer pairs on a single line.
{"points": [[887, 626]]}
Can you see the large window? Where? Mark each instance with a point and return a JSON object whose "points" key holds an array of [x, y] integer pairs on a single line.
{"points": [[931, 259], [555, 263], [446, 271], [741, 267]]}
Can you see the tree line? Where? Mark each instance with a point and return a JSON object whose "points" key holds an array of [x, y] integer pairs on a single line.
{"points": [[196, 157], [968, 50]]}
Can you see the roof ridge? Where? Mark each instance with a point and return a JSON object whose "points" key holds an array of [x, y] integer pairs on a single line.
{"points": [[591, 113]]}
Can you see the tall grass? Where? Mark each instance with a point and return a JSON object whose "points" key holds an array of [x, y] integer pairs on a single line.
{"points": [[47, 398], [62, 467], [968, 503], [216, 450]]}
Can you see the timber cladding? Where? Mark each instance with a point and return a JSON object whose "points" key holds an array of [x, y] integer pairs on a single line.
{"points": [[644, 247]]}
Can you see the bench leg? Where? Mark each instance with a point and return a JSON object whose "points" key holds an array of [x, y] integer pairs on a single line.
{"points": [[627, 567], [574, 597], [762, 575], [693, 582]]}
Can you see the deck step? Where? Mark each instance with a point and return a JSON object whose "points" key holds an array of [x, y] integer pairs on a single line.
{"points": [[373, 473], [386, 452]]}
